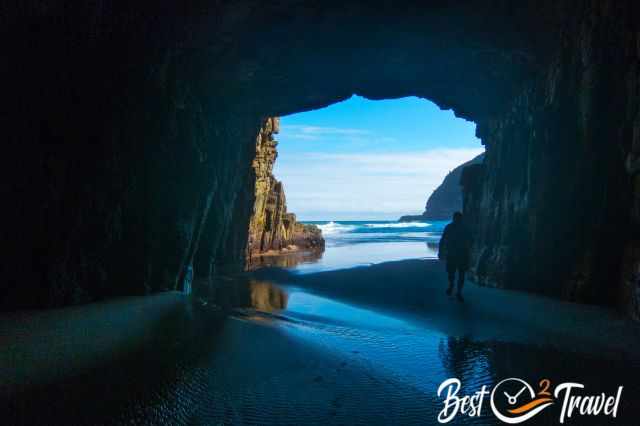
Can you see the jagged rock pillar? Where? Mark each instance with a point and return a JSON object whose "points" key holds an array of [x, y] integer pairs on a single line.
{"points": [[271, 227]]}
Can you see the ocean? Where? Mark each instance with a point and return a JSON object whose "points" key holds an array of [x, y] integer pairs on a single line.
{"points": [[358, 243]]}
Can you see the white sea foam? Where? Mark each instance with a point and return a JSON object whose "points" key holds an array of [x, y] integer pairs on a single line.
{"points": [[335, 228], [398, 225], [416, 234]]}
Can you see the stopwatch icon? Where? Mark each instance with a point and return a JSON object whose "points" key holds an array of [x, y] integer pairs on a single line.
{"points": [[513, 399]]}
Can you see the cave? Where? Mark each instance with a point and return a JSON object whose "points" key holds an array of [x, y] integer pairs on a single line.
{"points": [[132, 128]]}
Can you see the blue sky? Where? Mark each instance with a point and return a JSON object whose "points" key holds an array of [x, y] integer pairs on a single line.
{"points": [[362, 159]]}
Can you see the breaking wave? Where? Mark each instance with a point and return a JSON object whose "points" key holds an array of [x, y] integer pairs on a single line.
{"points": [[353, 232], [398, 225]]}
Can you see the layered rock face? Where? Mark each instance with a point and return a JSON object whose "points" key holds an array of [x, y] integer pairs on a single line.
{"points": [[131, 129], [446, 198], [271, 227], [555, 206]]}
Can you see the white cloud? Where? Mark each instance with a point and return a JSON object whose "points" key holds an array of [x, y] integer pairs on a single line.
{"points": [[299, 132], [302, 129], [371, 185]]}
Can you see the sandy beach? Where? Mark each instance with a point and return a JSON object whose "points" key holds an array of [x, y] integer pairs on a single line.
{"points": [[366, 345]]}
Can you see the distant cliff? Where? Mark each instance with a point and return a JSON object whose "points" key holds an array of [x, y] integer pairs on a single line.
{"points": [[271, 227], [447, 198]]}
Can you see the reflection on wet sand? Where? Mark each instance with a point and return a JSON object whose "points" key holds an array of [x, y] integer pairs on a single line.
{"points": [[266, 297], [283, 260], [239, 292], [416, 287]]}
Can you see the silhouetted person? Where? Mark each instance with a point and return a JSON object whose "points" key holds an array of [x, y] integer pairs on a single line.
{"points": [[455, 246]]}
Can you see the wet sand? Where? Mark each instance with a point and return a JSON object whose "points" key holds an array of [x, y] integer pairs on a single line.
{"points": [[415, 289], [361, 346]]}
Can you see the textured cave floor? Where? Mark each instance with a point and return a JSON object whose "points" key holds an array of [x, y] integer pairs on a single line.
{"points": [[361, 346]]}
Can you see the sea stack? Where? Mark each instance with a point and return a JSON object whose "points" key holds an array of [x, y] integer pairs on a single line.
{"points": [[272, 229]]}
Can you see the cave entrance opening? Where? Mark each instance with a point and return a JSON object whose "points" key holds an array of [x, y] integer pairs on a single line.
{"points": [[171, 99], [355, 167]]}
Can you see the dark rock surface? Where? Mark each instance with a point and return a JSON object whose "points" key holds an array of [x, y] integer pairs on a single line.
{"points": [[446, 198], [412, 218], [272, 228], [130, 131], [555, 206]]}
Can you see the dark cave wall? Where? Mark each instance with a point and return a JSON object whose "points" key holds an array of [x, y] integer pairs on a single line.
{"points": [[118, 177], [131, 131], [554, 212]]}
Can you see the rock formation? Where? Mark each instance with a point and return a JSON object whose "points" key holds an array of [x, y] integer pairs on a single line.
{"points": [[447, 197], [127, 164], [555, 205], [271, 227]]}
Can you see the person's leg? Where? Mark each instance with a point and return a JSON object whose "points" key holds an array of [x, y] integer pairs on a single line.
{"points": [[461, 273], [451, 272]]}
